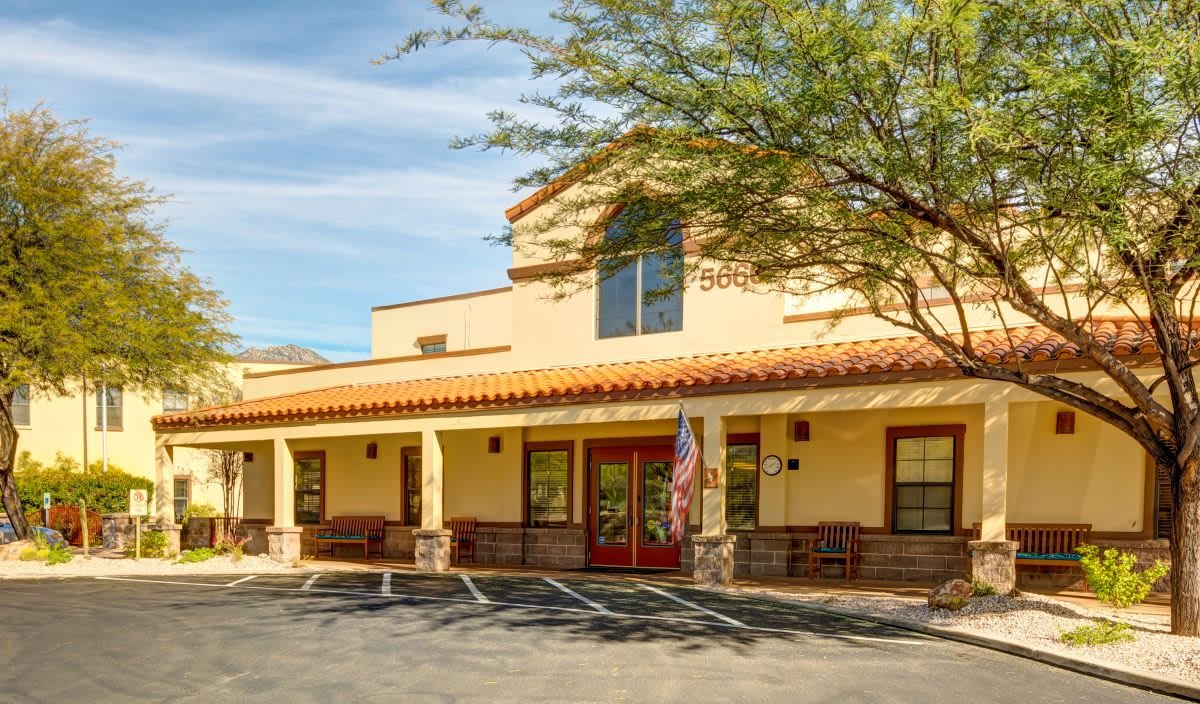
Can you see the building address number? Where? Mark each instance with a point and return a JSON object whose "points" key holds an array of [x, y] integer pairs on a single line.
{"points": [[737, 275]]}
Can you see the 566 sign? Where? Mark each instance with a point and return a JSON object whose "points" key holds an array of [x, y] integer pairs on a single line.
{"points": [[736, 275]]}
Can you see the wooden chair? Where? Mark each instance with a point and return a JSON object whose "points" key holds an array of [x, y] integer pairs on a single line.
{"points": [[462, 538], [835, 541], [352, 530]]}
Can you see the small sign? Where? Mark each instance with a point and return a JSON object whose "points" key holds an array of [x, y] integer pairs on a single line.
{"points": [[138, 502], [46, 499], [599, 539], [712, 478]]}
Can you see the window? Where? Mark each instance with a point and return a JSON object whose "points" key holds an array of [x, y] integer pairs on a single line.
{"points": [[412, 486], [548, 482], [432, 344], [110, 407], [635, 299], [924, 473], [183, 496], [741, 486], [310, 486], [20, 405], [174, 400]]}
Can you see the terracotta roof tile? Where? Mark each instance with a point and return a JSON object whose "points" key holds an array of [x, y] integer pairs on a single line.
{"points": [[839, 359]]}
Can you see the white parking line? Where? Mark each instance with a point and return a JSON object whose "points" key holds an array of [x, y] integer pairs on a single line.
{"points": [[236, 582], [309, 583], [578, 596], [386, 589], [697, 607], [475, 590]]}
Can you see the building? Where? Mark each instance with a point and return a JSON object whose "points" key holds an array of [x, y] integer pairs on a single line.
{"points": [[74, 425], [552, 423]]}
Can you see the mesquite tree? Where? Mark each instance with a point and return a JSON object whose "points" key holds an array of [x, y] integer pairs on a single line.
{"points": [[1033, 160], [225, 467], [90, 290]]}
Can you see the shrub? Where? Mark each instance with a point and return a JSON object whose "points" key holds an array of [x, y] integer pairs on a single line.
{"points": [[104, 492], [59, 555], [1098, 633], [199, 511], [233, 547], [41, 551], [154, 544], [981, 588], [197, 555], [1113, 578], [31, 554]]}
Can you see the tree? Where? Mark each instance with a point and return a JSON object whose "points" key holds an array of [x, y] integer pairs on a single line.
{"points": [[225, 467], [1033, 160], [90, 290]]}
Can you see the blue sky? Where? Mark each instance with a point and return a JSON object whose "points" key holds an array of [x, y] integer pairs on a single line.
{"points": [[309, 185]]}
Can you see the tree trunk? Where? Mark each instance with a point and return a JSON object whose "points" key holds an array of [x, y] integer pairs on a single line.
{"points": [[1185, 553], [8, 463]]}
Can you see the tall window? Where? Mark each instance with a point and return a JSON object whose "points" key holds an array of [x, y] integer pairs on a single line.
{"points": [[636, 299], [741, 486], [549, 473], [183, 496], [174, 400], [924, 483], [108, 402], [20, 405], [310, 484], [412, 488]]}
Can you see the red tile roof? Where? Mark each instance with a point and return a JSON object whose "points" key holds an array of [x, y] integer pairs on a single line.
{"points": [[837, 362]]}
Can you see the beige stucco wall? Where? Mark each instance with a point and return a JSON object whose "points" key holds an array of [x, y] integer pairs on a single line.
{"points": [[469, 322]]}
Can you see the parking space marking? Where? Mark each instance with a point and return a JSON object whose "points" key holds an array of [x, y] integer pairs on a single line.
{"points": [[386, 589], [236, 582], [308, 585], [690, 605], [474, 589], [578, 596], [532, 607]]}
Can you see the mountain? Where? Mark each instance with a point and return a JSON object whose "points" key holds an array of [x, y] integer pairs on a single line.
{"points": [[281, 353]]}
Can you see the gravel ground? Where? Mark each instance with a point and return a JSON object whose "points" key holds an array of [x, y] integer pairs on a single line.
{"points": [[1036, 620], [109, 565]]}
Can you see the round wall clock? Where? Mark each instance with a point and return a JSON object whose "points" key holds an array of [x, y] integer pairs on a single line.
{"points": [[771, 465]]}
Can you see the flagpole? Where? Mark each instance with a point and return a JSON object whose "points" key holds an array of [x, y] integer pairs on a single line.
{"points": [[104, 428]]}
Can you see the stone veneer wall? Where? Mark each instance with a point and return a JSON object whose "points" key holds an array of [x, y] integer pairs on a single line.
{"points": [[541, 547]]}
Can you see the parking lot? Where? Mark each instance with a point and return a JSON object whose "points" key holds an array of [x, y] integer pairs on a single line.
{"points": [[408, 637]]}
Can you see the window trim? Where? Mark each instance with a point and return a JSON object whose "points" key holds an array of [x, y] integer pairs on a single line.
{"points": [[28, 405], [548, 446], [405, 453], [745, 439], [958, 431], [308, 455], [187, 400], [187, 478]]}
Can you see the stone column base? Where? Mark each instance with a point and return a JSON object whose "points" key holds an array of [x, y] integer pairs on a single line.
{"points": [[714, 559], [995, 563], [432, 552], [172, 531], [283, 543]]}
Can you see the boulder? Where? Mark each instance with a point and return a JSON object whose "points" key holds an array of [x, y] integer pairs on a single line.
{"points": [[952, 595], [12, 551]]}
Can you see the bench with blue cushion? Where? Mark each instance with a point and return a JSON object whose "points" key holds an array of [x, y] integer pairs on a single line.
{"points": [[351, 530], [1051, 544]]}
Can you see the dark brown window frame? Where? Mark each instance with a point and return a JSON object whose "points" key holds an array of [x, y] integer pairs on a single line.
{"points": [[405, 453], [548, 446], [959, 432], [309, 455]]}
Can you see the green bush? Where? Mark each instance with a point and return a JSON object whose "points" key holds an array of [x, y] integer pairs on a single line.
{"points": [[104, 492], [154, 544], [59, 555], [197, 555], [31, 554], [199, 511], [981, 588], [235, 548], [1098, 633], [1113, 578], [41, 551]]}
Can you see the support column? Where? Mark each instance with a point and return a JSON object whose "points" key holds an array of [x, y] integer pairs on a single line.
{"points": [[713, 548], [283, 538], [164, 482], [993, 556], [432, 540]]}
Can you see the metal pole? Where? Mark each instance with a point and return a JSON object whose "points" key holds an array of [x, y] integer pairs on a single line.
{"points": [[104, 427], [83, 525]]}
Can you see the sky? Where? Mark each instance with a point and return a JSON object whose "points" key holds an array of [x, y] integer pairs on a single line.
{"points": [[306, 183]]}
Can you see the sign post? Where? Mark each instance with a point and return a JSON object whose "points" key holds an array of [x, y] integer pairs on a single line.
{"points": [[138, 505], [46, 508]]}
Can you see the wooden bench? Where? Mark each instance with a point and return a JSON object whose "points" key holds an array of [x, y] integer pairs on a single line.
{"points": [[1051, 544], [835, 541], [462, 538], [352, 530]]}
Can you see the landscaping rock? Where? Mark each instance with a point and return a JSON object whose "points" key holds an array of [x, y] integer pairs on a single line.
{"points": [[12, 551], [953, 595]]}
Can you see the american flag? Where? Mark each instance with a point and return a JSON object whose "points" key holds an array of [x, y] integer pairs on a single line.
{"points": [[687, 456]]}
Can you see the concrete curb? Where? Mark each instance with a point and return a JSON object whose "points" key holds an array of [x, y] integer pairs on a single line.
{"points": [[1141, 679]]}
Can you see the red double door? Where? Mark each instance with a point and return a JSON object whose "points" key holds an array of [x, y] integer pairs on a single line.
{"points": [[629, 507]]}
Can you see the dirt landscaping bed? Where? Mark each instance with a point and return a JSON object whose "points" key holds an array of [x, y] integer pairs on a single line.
{"points": [[113, 564]]}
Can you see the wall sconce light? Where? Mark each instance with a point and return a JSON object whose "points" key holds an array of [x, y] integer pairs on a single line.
{"points": [[372, 450], [800, 431], [1064, 423], [494, 444], [247, 456]]}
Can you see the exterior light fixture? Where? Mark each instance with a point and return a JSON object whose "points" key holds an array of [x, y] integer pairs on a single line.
{"points": [[372, 450], [800, 431], [494, 444], [1064, 423]]}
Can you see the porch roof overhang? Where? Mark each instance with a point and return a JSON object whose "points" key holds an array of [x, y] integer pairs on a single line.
{"points": [[879, 361]]}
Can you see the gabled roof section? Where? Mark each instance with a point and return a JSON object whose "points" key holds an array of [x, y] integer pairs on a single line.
{"points": [[872, 361]]}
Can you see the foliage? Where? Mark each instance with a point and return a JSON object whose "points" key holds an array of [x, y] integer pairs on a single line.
{"points": [[199, 511], [225, 468], [982, 588], [1098, 633], [104, 492], [1025, 160], [233, 547], [197, 555], [154, 544], [92, 288], [1113, 577], [42, 551]]}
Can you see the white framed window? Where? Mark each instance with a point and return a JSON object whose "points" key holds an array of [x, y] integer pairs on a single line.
{"points": [[623, 307], [109, 403], [20, 406], [174, 400], [183, 497]]}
